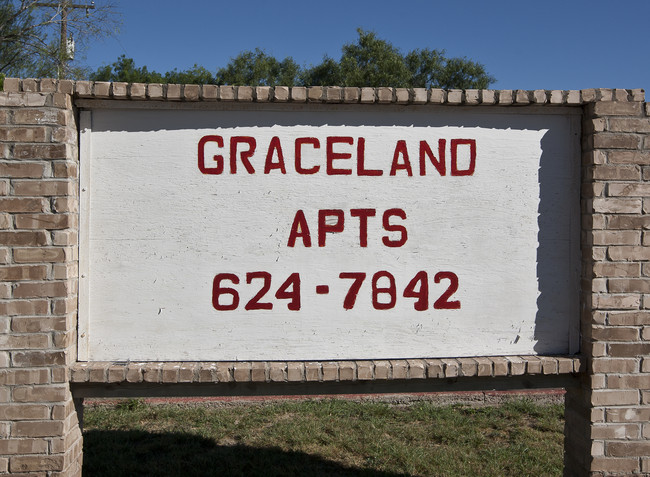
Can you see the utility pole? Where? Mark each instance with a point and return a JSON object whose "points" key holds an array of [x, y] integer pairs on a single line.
{"points": [[66, 51]]}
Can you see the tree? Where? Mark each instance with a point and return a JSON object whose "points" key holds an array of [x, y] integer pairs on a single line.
{"points": [[37, 37], [256, 68], [374, 62], [370, 61]]}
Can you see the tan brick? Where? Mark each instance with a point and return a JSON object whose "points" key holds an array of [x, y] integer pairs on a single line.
{"points": [[14, 204], [621, 173], [627, 449], [191, 92], [616, 237], [312, 371], [64, 237], [628, 414], [638, 381], [616, 269], [622, 301], [281, 93], [23, 272], [23, 134], [614, 397], [616, 108], [26, 412], [382, 369], [616, 141], [330, 371], [245, 93], [258, 372], [22, 170], [41, 254], [23, 238], [29, 341], [628, 318], [629, 125], [468, 367], [45, 221], [629, 285], [65, 169], [37, 429], [615, 431], [435, 368], [41, 151], [43, 187], [619, 222], [36, 463], [617, 206], [43, 393], [631, 253], [417, 369], [42, 289], [38, 117], [400, 369], [628, 350], [242, 372], [38, 324], [296, 372], [278, 372], [24, 307], [611, 465], [451, 368], [23, 446], [629, 157]]}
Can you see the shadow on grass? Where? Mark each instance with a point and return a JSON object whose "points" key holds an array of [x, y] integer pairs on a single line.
{"points": [[139, 453]]}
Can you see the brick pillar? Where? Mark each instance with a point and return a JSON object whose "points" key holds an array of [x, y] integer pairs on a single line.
{"points": [[39, 429], [612, 410]]}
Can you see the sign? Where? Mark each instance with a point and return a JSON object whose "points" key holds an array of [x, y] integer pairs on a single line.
{"points": [[327, 234]]}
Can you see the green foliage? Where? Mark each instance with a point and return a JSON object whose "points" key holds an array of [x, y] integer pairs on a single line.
{"points": [[370, 61], [256, 68], [124, 69]]}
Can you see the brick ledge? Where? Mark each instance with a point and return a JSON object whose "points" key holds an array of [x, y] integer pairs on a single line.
{"points": [[104, 372], [318, 94]]}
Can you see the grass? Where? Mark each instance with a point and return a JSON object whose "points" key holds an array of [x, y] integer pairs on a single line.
{"points": [[324, 438]]}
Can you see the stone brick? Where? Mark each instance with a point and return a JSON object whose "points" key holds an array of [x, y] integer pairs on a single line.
{"points": [[209, 92], [173, 92], [191, 92], [488, 96], [620, 173], [45, 221], [614, 397], [41, 151], [638, 381], [258, 372], [22, 205], [627, 449], [330, 371], [616, 108], [365, 370], [629, 125], [64, 169], [21, 169], [629, 285], [629, 350], [24, 307], [23, 134], [417, 369], [435, 368], [333, 94], [281, 93], [455, 96], [23, 272], [263, 94], [23, 446], [36, 463], [400, 369], [296, 372], [628, 253], [299, 94], [613, 466], [368, 95], [506, 96], [472, 96], [245, 93], [312, 372], [629, 189], [29, 341], [385, 95], [37, 428], [617, 206], [616, 141], [42, 289]]}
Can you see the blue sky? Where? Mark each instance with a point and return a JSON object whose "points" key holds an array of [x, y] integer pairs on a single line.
{"points": [[551, 44]]}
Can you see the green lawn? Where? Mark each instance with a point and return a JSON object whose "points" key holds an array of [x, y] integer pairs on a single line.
{"points": [[324, 438]]}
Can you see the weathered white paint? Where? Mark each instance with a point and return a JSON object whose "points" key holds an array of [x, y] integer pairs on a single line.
{"points": [[158, 230]]}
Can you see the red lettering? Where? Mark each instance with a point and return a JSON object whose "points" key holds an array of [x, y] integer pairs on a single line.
{"points": [[299, 228], [244, 155], [276, 147], [363, 215], [394, 228], [361, 159], [425, 150], [298, 158], [400, 150], [217, 158], [332, 156], [454, 157], [324, 227]]}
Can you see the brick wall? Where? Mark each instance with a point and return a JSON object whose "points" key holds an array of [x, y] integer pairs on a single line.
{"points": [[39, 430], [607, 431], [615, 398]]}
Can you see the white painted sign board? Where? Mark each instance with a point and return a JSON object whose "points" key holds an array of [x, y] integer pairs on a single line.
{"points": [[328, 234]]}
